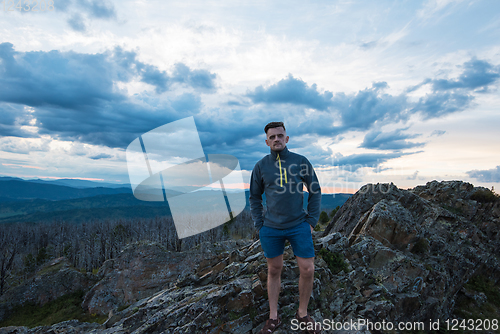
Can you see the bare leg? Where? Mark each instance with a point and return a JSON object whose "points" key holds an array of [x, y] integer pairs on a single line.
{"points": [[306, 280], [274, 266]]}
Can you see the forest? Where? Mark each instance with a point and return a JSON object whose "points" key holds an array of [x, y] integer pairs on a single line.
{"points": [[25, 246]]}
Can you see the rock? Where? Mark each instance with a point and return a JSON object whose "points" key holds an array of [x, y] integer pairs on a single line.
{"points": [[69, 327], [51, 281], [409, 254], [143, 269]]}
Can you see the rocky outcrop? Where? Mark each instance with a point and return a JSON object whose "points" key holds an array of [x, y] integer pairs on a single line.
{"points": [[388, 255], [143, 269], [51, 281], [421, 246]]}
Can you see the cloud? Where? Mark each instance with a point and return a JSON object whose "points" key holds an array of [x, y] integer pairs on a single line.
{"points": [[413, 176], [477, 74], [336, 113], [291, 90], [74, 95], [369, 45], [100, 9], [77, 23], [452, 95], [487, 175], [372, 107], [24, 146], [55, 78], [186, 102], [440, 104], [81, 11], [371, 160], [12, 118], [362, 110], [438, 133], [100, 156], [289, 98], [201, 79], [394, 140]]}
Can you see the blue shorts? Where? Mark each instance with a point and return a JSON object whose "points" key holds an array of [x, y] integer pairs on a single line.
{"points": [[272, 240]]}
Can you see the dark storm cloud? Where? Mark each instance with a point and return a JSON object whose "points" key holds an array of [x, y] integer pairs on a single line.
{"points": [[74, 95], [394, 140], [362, 110], [67, 80], [294, 91], [372, 107], [486, 175], [201, 79], [335, 113], [186, 102]]}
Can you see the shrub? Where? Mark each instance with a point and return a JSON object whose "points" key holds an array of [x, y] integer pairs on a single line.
{"points": [[323, 217], [63, 308], [335, 261], [334, 211], [484, 196], [481, 283]]}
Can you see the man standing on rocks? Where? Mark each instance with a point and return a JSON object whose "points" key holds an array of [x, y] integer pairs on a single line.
{"points": [[281, 175]]}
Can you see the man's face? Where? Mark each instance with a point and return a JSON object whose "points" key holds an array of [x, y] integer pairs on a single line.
{"points": [[276, 139]]}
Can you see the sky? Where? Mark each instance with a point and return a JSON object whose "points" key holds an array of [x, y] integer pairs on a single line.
{"points": [[370, 91]]}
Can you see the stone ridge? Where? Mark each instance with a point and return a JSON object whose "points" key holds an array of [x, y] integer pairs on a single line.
{"points": [[388, 254]]}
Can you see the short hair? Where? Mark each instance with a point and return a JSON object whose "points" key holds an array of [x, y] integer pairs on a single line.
{"points": [[274, 125]]}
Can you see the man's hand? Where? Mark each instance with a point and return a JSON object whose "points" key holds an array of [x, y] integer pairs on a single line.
{"points": [[311, 228]]}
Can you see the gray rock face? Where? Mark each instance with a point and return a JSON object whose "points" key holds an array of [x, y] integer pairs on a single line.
{"points": [[143, 269], [388, 255], [52, 281]]}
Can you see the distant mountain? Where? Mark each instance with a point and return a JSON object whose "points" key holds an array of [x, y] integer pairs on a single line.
{"points": [[16, 189], [328, 201], [88, 215], [9, 178], [38, 200], [75, 183]]}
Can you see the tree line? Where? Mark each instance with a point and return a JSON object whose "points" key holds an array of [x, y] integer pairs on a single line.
{"points": [[26, 246]]}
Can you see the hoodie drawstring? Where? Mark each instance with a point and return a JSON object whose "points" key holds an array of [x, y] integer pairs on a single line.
{"points": [[281, 174]]}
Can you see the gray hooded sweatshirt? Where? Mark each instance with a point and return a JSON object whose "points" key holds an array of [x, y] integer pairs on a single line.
{"points": [[281, 176]]}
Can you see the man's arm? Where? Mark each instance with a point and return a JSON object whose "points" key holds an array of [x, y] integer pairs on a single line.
{"points": [[314, 199], [256, 190]]}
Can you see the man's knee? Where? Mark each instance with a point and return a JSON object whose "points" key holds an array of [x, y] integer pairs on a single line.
{"points": [[306, 268], [274, 266], [274, 270]]}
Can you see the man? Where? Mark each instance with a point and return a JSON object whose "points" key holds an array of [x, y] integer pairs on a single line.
{"points": [[281, 176]]}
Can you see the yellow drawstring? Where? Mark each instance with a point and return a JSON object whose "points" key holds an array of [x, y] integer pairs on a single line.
{"points": [[281, 175]]}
